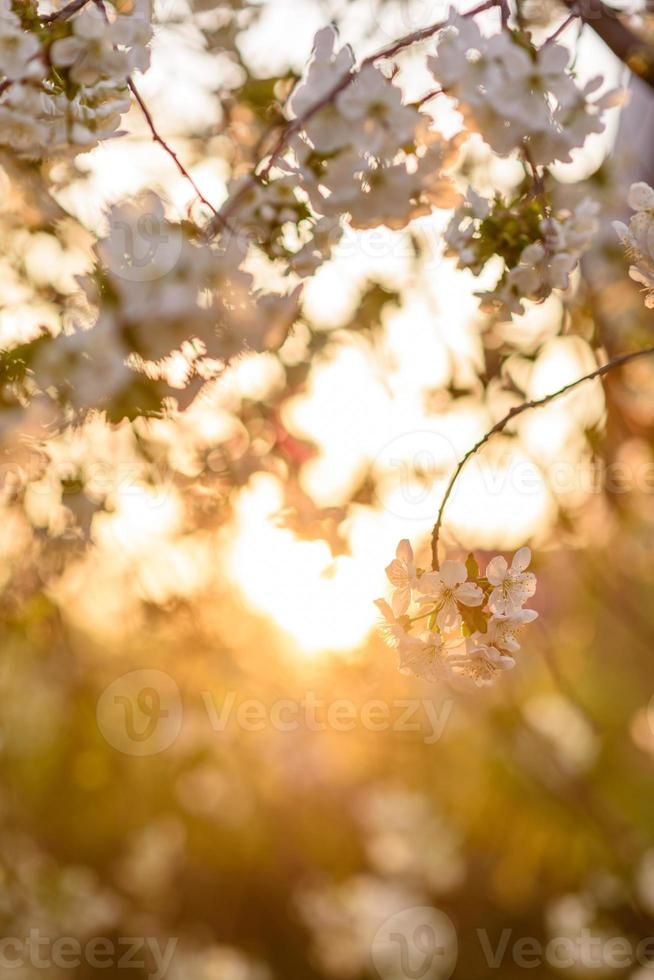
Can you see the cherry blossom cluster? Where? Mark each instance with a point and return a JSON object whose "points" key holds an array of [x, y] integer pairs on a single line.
{"points": [[509, 91], [638, 238], [65, 80], [540, 251], [365, 153], [453, 621], [358, 151], [170, 306]]}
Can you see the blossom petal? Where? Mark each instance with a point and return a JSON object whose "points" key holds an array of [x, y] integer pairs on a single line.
{"points": [[448, 616], [453, 573], [400, 601], [385, 610], [397, 574], [404, 551], [527, 616], [497, 602], [496, 570], [521, 560], [430, 583], [469, 594]]}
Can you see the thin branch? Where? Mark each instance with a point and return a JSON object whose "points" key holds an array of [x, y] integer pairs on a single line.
{"points": [[156, 136], [503, 422], [636, 53], [169, 150], [572, 16], [297, 124], [68, 11], [423, 34], [428, 97]]}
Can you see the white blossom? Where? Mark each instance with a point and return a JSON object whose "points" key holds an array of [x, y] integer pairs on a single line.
{"points": [[18, 48], [512, 585], [513, 94], [502, 630], [428, 643], [423, 655], [447, 588], [638, 238], [481, 663], [100, 49], [403, 575]]}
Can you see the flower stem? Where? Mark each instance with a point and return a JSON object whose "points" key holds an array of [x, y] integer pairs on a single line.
{"points": [[503, 422]]}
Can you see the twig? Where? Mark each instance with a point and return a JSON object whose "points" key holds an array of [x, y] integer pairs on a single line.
{"points": [[156, 136], [169, 150], [429, 96], [297, 124], [636, 53], [68, 11], [503, 422], [572, 16], [423, 34]]}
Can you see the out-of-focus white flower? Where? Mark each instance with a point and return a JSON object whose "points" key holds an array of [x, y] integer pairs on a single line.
{"points": [[638, 238], [379, 121], [563, 724], [423, 655], [216, 963], [640, 197], [514, 94], [344, 919], [402, 574], [18, 48], [405, 834], [391, 627], [543, 265], [327, 67], [101, 49]]}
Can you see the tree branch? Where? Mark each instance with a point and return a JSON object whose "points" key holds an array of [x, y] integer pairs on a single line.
{"points": [[295, 125], [503, 422], [68, 11], [625, 44], [169, 150]]}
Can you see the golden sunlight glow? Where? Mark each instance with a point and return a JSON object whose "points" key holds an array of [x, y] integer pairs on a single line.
{"points": [[324, 603], [377, 407]]}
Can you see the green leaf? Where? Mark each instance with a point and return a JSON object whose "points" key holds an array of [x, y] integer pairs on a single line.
{"points": [[472, 567]]}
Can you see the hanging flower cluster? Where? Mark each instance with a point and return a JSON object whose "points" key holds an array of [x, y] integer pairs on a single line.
{"points": [[638, 238], [539, 251], [65, 80], [454, 621], [509, 91]]}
